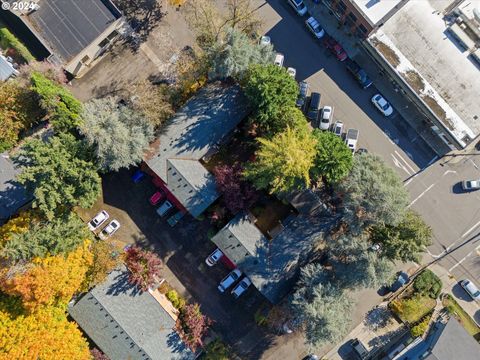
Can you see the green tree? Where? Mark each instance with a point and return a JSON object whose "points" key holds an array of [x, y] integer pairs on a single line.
{"points": [[406, 241], [118, 134], [216, 350], [57, 172], [355, 265], [60, 236], [333, 160], [283, 163], [270, 90], [63, 110], [372, 194], [18, 111], [322, 308], [232, 56], [427, 283]]}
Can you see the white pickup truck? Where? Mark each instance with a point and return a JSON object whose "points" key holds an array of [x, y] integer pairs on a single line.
{"points": [[351, 139]]}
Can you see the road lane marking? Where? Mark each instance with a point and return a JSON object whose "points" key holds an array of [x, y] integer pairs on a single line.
{"points": [[405, 161], [474, 165], [471, 229], [419, 196], [399, 165], [463, 259]]}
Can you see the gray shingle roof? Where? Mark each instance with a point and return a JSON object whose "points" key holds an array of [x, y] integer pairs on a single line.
{"points": [[270, 264], [195, 131], [68, 26], [126, 323], [455, 343], [12, 194]]}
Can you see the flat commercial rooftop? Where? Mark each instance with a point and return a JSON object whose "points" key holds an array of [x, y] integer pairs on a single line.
{"points": [[375, 10], [418, 45], [68, 26]]}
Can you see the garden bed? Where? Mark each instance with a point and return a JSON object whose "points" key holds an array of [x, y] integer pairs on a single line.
{"points": [[413, 309], [463, 318]]}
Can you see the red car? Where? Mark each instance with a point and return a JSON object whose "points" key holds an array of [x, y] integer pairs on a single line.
{"points": [[336, 49], [156, 198]]}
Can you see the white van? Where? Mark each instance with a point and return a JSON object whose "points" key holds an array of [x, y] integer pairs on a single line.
{"points": [[351, 139]]}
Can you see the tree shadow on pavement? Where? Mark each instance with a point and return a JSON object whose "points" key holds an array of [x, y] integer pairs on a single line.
{"points": [[143, 16]]}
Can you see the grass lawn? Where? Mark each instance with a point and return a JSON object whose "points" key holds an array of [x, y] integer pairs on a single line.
{"points": [[414, 308], [460, 314]]}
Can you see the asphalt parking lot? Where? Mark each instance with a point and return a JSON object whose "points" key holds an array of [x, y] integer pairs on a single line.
{"points": [[392, 138], [183, 249]]}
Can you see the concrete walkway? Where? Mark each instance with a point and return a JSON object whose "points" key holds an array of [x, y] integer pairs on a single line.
{"points": [[451, 286]]}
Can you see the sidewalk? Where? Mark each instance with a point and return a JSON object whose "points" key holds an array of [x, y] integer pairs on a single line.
{"points": [[386, 86], [450, 286]]}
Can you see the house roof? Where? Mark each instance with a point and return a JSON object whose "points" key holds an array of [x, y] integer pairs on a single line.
{"points": [[454, 343], [12, 194], [194, 132], [126, 323], [271, 265], [69, 26], [6, 69]]}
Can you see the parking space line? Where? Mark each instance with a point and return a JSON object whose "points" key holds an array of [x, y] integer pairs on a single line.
{"points": [[419, 196], [405, 161]]}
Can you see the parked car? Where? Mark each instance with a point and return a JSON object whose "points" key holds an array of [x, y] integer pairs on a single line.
{"points": [[98, 220], [337, 128], [241, 287], [302, 94], [470, 185], [213, 258], [362, 151], [265, 40], [175, 218], [292, 72], [402, 279], [109, 230], [156, 198], [311, 357], [326, 117], [279, 59], [351, 139], [336, 49], [229, 280], [299, 6], [314, 26], [312, 113], [382, 105], [359, 348], [358, 73], [138, 176], [471, 289], [164, 208]]}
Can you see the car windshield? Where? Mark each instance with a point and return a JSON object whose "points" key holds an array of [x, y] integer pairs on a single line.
{"points": [[385, 106], [477, 294]]}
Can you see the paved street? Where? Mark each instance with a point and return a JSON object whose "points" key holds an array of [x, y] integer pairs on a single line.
{"points": [[453, 214]]}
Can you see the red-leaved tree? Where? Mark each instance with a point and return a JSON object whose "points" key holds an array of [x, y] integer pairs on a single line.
{"points": [[98, 355], [238, 194], [194, 325], [144, 267]]}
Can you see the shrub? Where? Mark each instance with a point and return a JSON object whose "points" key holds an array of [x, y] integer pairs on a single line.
{"points": [[144, 266], [194, 325], [420, 328], [429, 284], [216, 350], [177, 301], [8, 40]]}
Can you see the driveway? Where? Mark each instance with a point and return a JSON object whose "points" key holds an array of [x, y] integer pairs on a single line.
{"points": [[183, 249], [153, 58]]}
